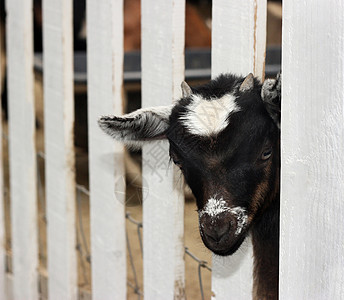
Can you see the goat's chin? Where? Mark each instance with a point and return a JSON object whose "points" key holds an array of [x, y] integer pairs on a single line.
{"points": [[228, 248]]}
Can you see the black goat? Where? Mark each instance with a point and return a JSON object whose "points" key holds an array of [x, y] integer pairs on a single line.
{"points": [[225, 138]]}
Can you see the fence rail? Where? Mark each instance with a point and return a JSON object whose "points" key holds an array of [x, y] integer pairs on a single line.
{"points": [[311, 260]]}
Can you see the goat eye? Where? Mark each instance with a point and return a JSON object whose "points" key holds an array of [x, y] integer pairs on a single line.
{"points": [[266, 154], [177, 163], [175, 160]]}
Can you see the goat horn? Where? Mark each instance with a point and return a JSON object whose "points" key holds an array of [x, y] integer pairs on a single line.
{"points": [[247, 84], [186, 90]]}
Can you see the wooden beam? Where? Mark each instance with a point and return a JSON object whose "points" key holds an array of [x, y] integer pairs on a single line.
{"points": [[106, 157], [238, 46], [163, 210], [22, 148], [312, 206]]}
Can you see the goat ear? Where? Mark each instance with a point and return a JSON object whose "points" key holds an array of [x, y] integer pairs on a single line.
{"points": [[140, 126], [271, 96]]}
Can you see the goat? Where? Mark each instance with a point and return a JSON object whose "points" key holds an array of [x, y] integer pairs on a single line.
{"points": [[225, 138]]}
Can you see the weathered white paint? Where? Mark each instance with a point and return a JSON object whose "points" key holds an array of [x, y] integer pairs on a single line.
{"points": [[260, 18], [2, 207], [106, 165], [239, 34], [312, 206], [59, 148], [22, 149], [163, 223], [9, 284], [208, 117], [83, 294], [238, 46]]}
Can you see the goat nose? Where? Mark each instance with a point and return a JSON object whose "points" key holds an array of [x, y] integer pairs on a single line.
{"points": [[216, 233]]}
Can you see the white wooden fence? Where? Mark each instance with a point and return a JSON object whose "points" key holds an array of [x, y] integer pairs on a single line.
{"points": [[312, 205]]}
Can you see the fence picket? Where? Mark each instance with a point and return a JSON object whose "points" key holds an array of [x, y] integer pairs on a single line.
{"points": [[106, 157], [22, 149], [238, 46], [312, 190], [163, 210], [59, 148]]}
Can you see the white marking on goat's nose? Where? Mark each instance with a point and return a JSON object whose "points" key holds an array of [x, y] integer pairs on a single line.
{"points": [[215, 206], [241, 217]]}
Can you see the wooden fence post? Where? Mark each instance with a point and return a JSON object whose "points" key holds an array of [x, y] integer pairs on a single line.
{"points": [[2, 192], [238, 46], [312, 206], [59, 148], [106, 157], [163, 210], [22, 149]]}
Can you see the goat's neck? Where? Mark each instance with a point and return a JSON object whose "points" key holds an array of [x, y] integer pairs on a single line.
{"points": [[265, 239]]}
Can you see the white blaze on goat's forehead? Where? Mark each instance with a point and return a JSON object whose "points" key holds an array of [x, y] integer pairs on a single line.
{"points": [[206, 117]]}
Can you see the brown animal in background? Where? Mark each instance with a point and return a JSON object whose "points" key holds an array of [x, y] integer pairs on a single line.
{"points": [[197, 34]]}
